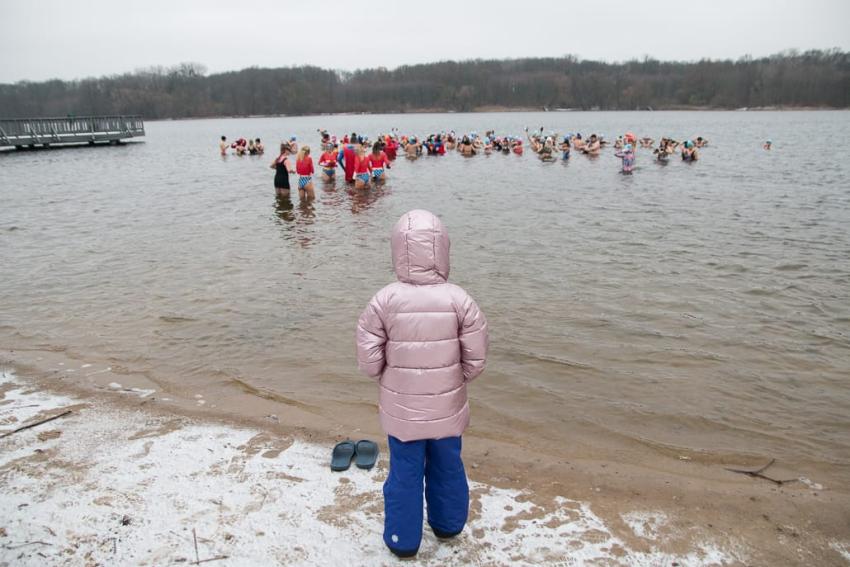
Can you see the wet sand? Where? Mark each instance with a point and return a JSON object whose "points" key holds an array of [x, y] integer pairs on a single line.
{"points": [[656, 506]]}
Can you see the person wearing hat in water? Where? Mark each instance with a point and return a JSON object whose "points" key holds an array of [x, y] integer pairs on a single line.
{"points": [[689, 151], [628, 157], [565, 147], [413, 148]]}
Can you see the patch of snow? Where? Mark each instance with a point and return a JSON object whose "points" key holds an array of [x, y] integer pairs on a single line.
{"points": [[810, 483], [645, 524], [843, 549], [121, 487]]}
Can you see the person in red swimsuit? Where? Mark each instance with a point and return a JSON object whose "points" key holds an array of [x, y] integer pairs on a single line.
{"points": [[362, 169], [390, 148], [349, 156], [378, 163], [327, 161], [304, 169]]}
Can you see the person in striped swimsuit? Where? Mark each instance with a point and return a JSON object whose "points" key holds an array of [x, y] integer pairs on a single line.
{"points": [[378, 163], [362, 170], [304, 169]]}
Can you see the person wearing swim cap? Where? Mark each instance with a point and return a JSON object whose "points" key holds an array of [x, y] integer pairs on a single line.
{"points": [[689, 151], [293, 145], [767, 144], [565, 148], [413, 148], [628, 157]]}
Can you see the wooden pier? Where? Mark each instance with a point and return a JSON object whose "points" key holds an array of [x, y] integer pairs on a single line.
{"points": [[24, 133]]}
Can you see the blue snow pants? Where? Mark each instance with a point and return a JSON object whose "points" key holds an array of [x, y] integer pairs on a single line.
{"points": [[437, 462]]}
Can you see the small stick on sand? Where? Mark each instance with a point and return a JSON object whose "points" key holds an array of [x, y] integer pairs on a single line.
{"points": [[220, 557], [26, 544], [195, 537], [63, 414], [758, 474]]}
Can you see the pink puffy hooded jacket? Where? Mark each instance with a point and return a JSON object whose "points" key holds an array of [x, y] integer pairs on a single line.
{"points": [[422, 337]]}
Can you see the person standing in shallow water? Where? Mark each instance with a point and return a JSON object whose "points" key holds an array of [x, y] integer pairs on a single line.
{"points": [[283, 168], [304, 168], [628, 157], [424, 340]]}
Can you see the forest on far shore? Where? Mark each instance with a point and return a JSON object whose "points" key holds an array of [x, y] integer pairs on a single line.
{"points": [[813, 78]]}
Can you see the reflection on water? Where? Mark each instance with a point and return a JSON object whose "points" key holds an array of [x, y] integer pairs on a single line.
{"points": [[700, 305], [283, 208], [295, 221], [364, 199]]}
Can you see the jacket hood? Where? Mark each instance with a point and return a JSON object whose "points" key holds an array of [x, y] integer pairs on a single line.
{"points": [[420, 249]]}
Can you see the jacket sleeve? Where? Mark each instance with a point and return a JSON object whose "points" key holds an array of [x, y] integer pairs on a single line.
{"points": [[474, 340], [371, 338]]}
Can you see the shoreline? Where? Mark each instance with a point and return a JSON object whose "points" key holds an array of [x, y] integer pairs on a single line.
{"points": [[693, 502], [507, 109], [140, 479]]}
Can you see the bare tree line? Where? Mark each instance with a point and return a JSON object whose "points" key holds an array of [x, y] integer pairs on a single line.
{"points": [[813, 78]]}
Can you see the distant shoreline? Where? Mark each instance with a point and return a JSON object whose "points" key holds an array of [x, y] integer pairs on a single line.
{"points": [[506, 109]]}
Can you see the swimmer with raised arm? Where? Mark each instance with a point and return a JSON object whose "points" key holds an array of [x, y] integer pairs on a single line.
{"points": [[628, 157]]}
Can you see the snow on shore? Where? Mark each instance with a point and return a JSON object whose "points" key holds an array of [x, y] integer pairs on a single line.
{"points": [[112, 486]]}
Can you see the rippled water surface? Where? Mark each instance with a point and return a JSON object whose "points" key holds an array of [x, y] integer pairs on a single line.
{"points": [[704, 306]]}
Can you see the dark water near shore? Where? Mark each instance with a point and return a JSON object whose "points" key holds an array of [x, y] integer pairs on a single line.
{"points": [[701, 306]]}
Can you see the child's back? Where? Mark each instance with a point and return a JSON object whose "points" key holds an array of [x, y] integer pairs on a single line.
{"points": [[424, 339]]}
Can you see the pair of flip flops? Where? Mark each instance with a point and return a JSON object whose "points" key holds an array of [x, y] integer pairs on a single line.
{"points": [[364, 453]]}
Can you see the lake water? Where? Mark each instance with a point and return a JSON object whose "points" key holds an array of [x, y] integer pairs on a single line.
{"points": [[701, 307]]}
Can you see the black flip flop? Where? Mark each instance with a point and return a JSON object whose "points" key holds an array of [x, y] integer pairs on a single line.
{"points": [[342, 455], [367, 454]]}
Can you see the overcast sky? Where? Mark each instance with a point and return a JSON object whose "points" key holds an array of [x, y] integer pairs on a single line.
{"points": [[75, 39]]}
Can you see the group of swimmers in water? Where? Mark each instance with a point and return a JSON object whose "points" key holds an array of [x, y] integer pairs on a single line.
{"points": [[242, 146], [366, 162], [548, 146]]}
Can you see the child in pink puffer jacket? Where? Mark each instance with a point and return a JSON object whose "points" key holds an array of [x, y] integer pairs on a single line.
{"points": [[424, 339]]}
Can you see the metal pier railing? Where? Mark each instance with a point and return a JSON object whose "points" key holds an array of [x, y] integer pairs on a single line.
{"points": [[32, 132]]}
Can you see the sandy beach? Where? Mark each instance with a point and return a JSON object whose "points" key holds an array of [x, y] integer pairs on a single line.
{"points": [[133, 476]]}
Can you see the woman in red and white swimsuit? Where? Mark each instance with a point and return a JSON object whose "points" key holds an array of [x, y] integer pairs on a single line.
{"points": [[378, 163]]}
